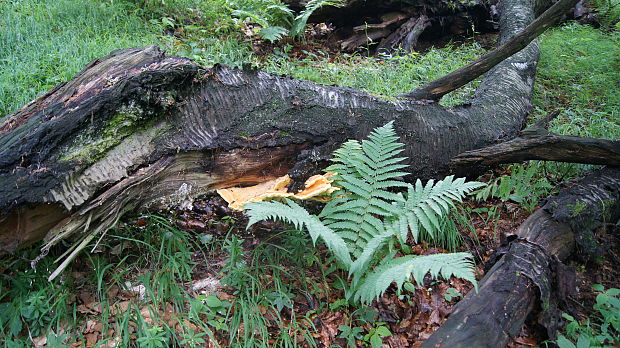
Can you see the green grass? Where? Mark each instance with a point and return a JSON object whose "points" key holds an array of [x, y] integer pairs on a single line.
{"points": [[388, 76], [264, 285], [45, 42], [161, 259], [579, 73]]}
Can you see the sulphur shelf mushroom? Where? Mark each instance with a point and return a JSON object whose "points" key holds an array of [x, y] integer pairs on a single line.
{"points": [[317, 187]]}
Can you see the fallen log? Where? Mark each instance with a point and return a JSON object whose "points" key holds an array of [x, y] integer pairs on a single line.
{"points": [[508, 292], [139, 128]]}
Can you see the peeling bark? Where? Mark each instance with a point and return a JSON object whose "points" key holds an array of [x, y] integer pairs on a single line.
{"points": [[495, 314], [138, 128]]}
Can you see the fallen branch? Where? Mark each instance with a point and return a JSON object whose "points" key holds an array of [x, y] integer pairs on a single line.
{"points": [[547, 147], [436, 89], [495, 314]]}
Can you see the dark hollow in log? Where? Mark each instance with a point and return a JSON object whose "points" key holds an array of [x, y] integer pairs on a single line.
{"points": [[386, 26], [507, 293], [138, 128]]}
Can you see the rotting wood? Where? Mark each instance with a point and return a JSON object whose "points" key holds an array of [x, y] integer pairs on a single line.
{"points": [[508, 292], [406, 36], [139, 129], [357, 18]]}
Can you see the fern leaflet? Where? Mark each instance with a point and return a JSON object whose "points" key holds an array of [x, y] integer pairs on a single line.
{"points": [[363, 217], [401, 269], [292, 213]]}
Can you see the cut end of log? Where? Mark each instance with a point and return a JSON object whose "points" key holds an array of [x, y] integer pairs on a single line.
{"points": [[28, 224]]}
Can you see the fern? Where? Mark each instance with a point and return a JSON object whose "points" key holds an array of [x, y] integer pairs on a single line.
{"points": [[401, 269], [364, 174], [292, 213], [299, 24], [273, 33], [275, 16], [358, 225], [426, 205]]}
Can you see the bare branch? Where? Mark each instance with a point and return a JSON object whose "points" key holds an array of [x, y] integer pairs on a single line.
{"points": [[436, 89]]}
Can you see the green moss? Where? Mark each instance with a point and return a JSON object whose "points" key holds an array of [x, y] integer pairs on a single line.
{"points": [[92, 146], [577, 208]]}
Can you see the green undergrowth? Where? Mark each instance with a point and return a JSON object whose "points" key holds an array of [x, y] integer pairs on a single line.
{"points": [[45, 42], [204, 31], [137, 287], [578, 74], [388, 75]]}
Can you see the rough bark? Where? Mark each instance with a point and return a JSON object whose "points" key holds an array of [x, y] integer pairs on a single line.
{"points": [[544, 146], [508, 292]]}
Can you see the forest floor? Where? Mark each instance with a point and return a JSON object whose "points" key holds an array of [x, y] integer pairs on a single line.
{"points": [[200, 278]]}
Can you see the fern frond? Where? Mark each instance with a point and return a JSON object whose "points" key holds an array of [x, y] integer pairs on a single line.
{"points": [[425, 205], [371, 247], [366, 171], [401, 269], [273, 34], [292, 213], [300, 21]]}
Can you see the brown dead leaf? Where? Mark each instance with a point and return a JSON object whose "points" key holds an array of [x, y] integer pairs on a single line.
{"points": [[114, 290], [40, 341], [524, 340], [145, 312], [88, 309], [91, 339], [120, 307], [92, 326]]}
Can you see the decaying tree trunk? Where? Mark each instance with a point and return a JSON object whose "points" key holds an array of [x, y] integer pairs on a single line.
{"points": [[508, 292], [138, 128]]}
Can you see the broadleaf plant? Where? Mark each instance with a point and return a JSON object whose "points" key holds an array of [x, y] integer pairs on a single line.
{"points": [[374, 209]]}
